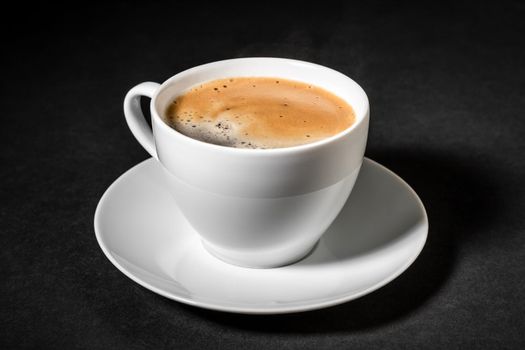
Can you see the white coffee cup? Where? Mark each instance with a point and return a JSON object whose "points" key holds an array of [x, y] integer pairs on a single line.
{"points": [[255, 207]]}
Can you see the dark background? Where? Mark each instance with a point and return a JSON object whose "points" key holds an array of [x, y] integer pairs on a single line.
{"points": [[446, 83]]}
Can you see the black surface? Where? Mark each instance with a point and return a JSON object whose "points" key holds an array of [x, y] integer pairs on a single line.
{"points": [[446, 87]]}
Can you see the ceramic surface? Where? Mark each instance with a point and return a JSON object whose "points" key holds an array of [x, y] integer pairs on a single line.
{"points": [[263, 207], [378, 234]]}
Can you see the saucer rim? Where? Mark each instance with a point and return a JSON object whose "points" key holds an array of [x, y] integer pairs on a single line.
{"points": [[282, 309]]}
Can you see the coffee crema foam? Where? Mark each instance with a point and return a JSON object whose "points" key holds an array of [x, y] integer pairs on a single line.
{"points": [[258, 112]]}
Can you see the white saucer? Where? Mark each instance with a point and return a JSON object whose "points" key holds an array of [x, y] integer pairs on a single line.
{"points": [[378, 234]]}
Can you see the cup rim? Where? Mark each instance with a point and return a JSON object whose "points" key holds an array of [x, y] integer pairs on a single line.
{"points": [[259, 151]]}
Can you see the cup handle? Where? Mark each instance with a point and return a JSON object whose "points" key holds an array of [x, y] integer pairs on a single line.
{"points": [[135, 118]]}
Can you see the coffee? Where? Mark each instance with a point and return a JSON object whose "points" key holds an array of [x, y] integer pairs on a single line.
{"points": [[258, 112]]}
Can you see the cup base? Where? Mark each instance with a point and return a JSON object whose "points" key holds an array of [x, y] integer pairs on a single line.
{"points": [[274, 263]]}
